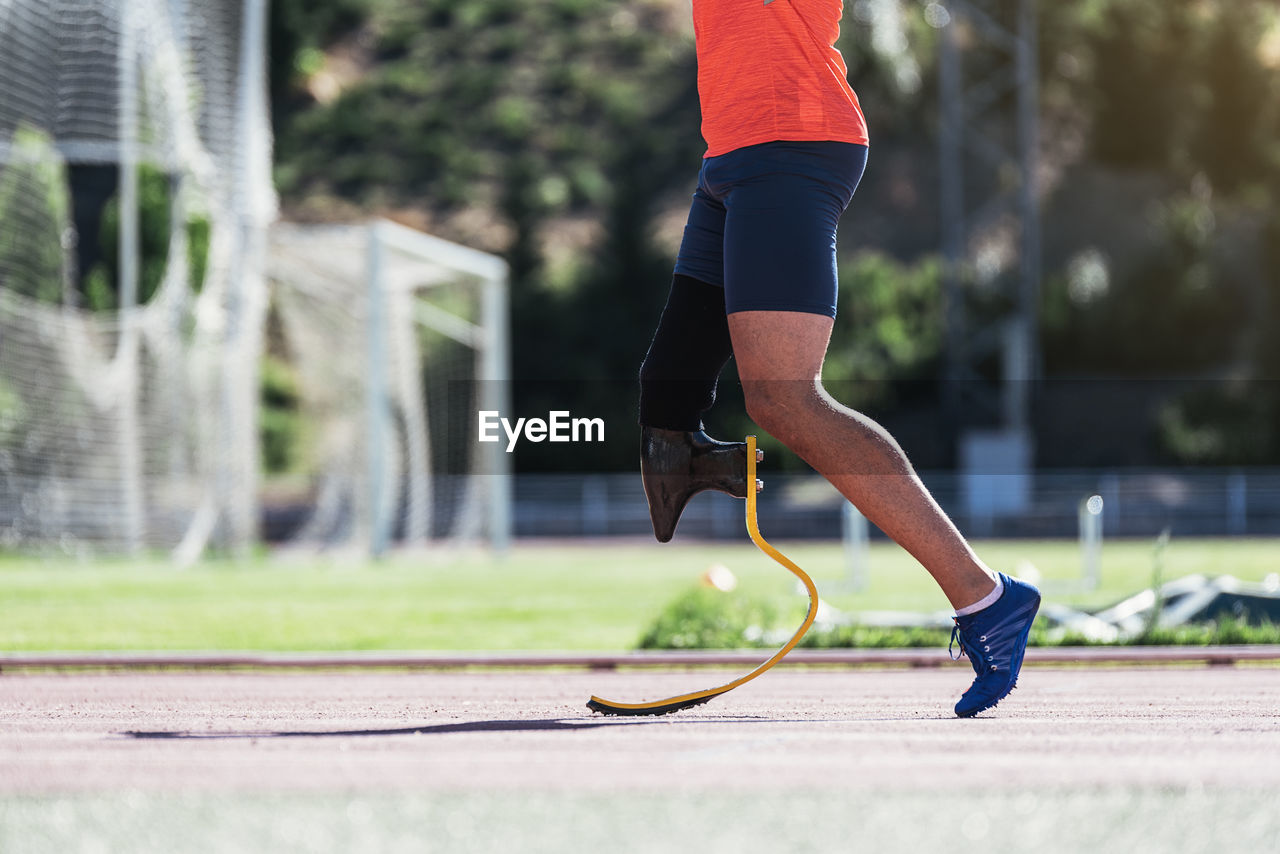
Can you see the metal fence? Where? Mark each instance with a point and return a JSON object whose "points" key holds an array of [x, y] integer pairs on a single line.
{"points": [[1137, 503]]}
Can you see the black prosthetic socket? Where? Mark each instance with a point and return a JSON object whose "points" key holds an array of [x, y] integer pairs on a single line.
{"points": [[676, 465], [678, 384], [690, 348]]}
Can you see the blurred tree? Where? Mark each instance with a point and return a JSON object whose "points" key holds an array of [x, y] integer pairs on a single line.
{"points": [[35, 207], [298, 31], [604, 320], [1235, 137], [1144, 82], [1234, 422], [1177, 312], [1268, 357], [155, 203], [280, 424], [889, 328], [1220, 424]]}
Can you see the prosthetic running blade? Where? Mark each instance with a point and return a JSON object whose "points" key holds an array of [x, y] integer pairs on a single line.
{"points": [[697, 698]]}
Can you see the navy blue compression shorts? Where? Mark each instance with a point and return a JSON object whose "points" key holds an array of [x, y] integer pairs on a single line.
{"points": [[763, 224]]}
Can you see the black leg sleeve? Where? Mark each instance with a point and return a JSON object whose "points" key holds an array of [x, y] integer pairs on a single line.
{"points": [[690, 348]]}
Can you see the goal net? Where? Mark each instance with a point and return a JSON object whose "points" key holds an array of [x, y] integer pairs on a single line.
{"points": [[396, 340], [134, 199]]}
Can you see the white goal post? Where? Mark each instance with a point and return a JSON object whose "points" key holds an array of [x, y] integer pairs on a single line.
{"points": [[398, 339]]}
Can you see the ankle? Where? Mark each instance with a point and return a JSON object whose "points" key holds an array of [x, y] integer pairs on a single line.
{"points": [[985, 602]]}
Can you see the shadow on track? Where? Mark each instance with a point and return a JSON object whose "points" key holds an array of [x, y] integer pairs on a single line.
{"points": [[544, 725]]}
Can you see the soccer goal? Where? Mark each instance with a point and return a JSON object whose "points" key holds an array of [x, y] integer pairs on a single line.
{"points": [[397, 339], [135, 195]]}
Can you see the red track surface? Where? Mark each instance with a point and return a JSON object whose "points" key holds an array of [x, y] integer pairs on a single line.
{"points": [[1084, 727]]}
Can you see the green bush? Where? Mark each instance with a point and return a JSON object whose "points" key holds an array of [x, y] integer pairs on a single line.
{"points": [[704, 618], [1213, 633], [854, 636]]}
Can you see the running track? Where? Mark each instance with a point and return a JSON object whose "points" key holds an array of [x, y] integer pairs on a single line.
{"points": [[1160, 759]]}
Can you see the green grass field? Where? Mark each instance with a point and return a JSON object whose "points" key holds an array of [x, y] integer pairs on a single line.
{"points": [[539, 597], [591, 596]]}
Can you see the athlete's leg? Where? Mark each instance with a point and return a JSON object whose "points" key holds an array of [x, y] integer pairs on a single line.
{"points": [[780, 289], [689, 350], [779, 356], [678, 384], [781, 285], [691, 345], [679, 374]]}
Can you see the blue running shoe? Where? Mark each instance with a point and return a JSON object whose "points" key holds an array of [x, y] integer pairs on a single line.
{"points": [[995, 640]]}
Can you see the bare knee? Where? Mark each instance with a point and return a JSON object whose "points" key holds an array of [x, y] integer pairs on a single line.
{"points": [[780, 407]]}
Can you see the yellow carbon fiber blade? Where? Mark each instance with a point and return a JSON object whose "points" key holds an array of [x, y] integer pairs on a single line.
{"points": [[697, 698]]}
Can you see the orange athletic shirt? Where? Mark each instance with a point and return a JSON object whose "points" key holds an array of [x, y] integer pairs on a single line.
{"points": [[768, 70]]}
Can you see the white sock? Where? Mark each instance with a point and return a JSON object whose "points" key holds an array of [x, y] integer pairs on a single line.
{"points": [[985, 602]]}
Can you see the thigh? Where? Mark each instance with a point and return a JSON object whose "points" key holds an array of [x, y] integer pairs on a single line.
{"points": [[780, 227], [778, 346]]}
